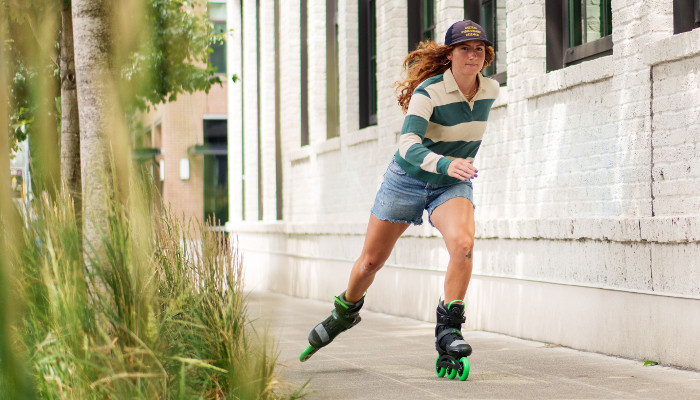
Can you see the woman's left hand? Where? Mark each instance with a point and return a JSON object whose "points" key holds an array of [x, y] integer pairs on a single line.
{"points": [[462, 169]]}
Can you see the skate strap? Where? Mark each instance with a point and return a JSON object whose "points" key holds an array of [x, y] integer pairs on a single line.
{"points": [[322, 333], [340, 299], [451, 320], [447, 332]]}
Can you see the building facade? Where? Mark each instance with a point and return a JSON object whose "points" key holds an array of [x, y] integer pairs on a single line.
{"points": [[588, 195], [183, 143]]}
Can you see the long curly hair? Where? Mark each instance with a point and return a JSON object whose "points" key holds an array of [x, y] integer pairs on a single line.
{"points": [[427, 60]]}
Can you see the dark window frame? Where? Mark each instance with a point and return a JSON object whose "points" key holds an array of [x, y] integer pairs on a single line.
{"points": [[368, 63], [258, 64], [686, 15], [332, 71], [243, 112], [417, 29], [304, 79], [559, 52], [218, 47], [278, 121], [215, 156], [474, 10]]}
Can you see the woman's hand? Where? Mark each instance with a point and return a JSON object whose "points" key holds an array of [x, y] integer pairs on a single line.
{"points": [[462, 169]]}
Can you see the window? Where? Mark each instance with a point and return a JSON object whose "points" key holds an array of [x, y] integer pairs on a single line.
{"points": [[577, 31], [589, 20], [215, 155], [368, 63], [686, 15], [421, 22], [258, 107], [491, 15], [217, 16], [145, 155], [157, 143], [278, 123], [332, 75], [304, 81]]}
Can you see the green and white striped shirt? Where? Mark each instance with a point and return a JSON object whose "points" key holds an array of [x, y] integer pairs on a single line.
{"points": [[441, 125]]}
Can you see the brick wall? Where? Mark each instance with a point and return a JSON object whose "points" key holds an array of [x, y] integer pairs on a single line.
{"points": [[676, 123], [588, 179], [181, 128]]}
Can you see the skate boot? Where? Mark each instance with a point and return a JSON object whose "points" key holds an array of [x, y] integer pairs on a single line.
{"points": [[449, 342], [343, 317]]}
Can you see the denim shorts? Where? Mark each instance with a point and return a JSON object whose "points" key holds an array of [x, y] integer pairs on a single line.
{"points": [[402, 198]]}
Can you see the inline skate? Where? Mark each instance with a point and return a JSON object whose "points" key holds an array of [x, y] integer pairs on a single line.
{"points": [[452, 349], [344, 316]]}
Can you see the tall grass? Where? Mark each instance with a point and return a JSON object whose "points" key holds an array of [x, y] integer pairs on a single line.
{"points": [[151, 309], [160, 315]]}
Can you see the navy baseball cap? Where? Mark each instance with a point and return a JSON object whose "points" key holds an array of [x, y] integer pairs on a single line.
{"points": [[465, 31]]}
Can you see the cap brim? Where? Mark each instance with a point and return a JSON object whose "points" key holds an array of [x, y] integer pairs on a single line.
{"points": [[486, 42]]}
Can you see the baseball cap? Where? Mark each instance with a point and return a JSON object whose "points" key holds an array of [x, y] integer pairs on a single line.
{"points": [[465, 31]]}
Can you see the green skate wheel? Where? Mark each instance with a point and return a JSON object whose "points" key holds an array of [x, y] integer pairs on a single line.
{"points": [[465, 368], [306, 354], [453, 372], [440, 371]]}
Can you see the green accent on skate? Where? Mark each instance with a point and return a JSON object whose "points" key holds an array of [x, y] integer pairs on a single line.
{"points": [[465, 368], [454, 301], [306, 354], [341, 302], [440, 371]]}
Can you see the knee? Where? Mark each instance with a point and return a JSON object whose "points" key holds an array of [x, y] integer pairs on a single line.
{"points": [[370, 263], [462, 248]]}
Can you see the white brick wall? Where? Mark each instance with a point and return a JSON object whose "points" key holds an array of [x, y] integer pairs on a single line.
{"points": [[589, 175], [676, 155]]}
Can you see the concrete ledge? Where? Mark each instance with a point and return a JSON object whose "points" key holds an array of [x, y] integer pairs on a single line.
{"points": [[502, 100], [363, 135], [301, 154], [566, 78], [674, 48], [327, 146], [679, 229]]}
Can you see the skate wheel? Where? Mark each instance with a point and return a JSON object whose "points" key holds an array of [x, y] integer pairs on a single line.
{"points": [[453, 372], [306, 354], [465, 368], [440, 371]]}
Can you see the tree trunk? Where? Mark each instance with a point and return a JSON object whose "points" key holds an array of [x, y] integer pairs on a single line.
{"points": [[70, 128], [15, 382], [97, 110]]}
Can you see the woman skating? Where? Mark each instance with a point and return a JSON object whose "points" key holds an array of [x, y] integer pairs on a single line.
{"points": [[447, 102]]}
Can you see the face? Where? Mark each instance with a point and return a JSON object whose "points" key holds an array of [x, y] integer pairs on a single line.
{"points": [[468, 57]]}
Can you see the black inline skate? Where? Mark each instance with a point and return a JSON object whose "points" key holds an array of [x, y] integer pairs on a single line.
{"points": [[449, 342], [343, 317]]}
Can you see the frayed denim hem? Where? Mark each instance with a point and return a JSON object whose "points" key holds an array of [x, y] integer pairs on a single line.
{"points": [[443, 201], [419, 221]]}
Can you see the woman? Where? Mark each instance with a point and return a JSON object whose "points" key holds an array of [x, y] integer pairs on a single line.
{"points": [[447, 102]]}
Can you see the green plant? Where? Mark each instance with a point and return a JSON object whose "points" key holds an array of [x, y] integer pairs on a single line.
{"points": [[160, 315]]}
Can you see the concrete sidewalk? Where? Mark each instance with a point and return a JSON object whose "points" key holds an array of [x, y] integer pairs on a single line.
{"points": [[386, 357]]}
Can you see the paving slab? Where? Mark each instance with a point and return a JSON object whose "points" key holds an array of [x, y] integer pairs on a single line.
{"points": [[387, 357]]}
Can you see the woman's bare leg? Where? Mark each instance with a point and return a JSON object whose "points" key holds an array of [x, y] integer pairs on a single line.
{"points": [[379, 242], [455, 220]]}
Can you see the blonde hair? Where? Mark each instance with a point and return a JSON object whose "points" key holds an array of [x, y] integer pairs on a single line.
{"points": [[427, 60]]}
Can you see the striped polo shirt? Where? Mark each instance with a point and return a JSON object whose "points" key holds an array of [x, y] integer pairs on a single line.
{"points": [[441, 124]]}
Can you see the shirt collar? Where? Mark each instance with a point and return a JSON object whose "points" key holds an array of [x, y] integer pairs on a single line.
{"points": [[451, 83]]}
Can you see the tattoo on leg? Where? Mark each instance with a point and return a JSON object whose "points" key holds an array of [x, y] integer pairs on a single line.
{"points": [[469, 255]]}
